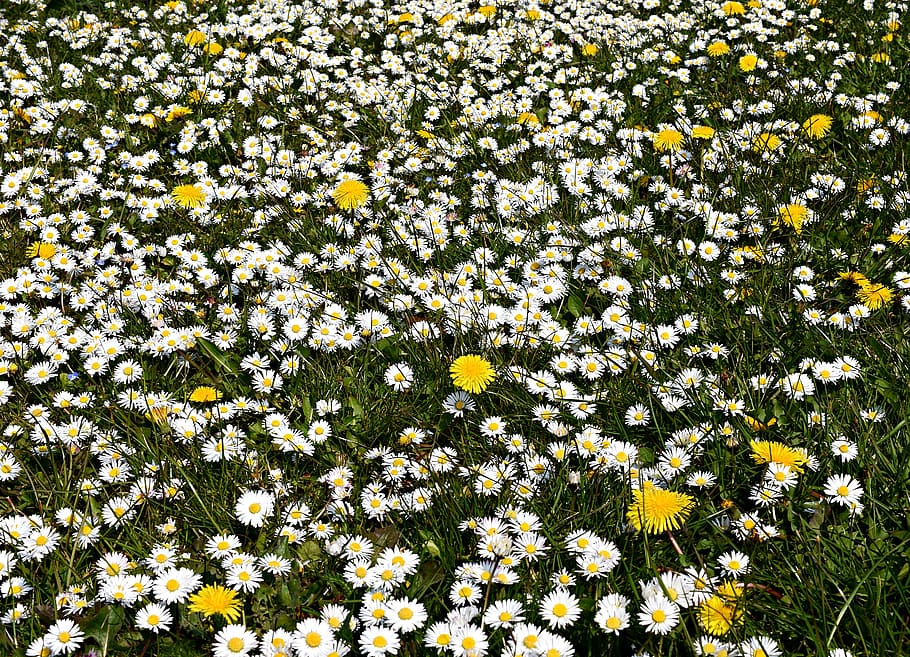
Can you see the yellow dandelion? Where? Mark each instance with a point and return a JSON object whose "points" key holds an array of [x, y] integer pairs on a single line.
{"points": [[442, 20], [899, 239], [42, 250], [472, 373], [771, 451], [818, 125], [864, 185], [748, 62], [188, 196], [532, 15], [757, 425], [874, 295], [766, 142], [793, 215], [668, 140], [854, 277], [213, 49], [881, 58], [488, 11], [733, 8], [589, 49], [657, 510], [722, 611], [149, 120], [22, 116], [528, 117], [702, 132], [718, 49], [158, 416], [204, 394], [216, 599], [194, 38], [351, 194], [178, 112]]}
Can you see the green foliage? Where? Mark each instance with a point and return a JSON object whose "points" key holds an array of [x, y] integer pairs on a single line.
{"points": [[641, 306]]}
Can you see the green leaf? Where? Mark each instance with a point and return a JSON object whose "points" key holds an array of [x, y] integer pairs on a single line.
{"points": [[284, 597], [307, 408], [104, 626], [209, 349], [356, 408], [576, 306], [432, 549], [309, 551]]}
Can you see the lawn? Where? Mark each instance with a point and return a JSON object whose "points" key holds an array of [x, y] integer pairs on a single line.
{"points": [[522, 328]]}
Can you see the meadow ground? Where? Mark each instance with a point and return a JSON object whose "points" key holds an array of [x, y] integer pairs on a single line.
{"points": [[518, 328]]}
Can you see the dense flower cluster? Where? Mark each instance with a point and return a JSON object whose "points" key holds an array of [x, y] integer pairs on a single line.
{"points": [[247, 245]]}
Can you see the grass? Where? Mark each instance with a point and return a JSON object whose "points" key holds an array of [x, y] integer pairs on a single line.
{"points": [[654, 309]]}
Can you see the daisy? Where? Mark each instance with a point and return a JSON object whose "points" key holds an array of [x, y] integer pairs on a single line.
{"points": [[405, 615], [399, 376], [504, 613], [222, 545], [658, 615], [469, 641], [797, 385], [637, 415], [458, 403], [377, 640], [275, 564], [843, 489], [154, 617], [734, 563], [277, 643], [553, 645], [844, 449], [526, 637], [439, 636], [463, 592], [234, 641], [176, 584], [492, 426], [244, 577], [760, 646], [63, 637], [312, 638], [560, 608], [253, 508], [612, 615]]}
